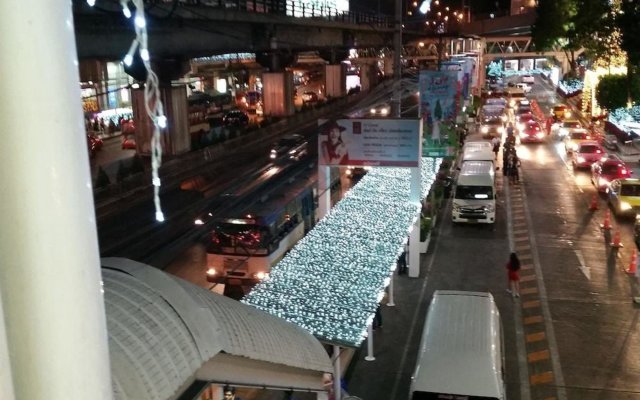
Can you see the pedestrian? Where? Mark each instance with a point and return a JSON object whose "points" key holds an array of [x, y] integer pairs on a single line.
{"points": [[495, 142], [402, 263], [513, 275], [377, 319]]}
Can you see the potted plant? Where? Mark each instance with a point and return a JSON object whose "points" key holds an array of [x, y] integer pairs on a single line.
{"points": [[425, 233]]}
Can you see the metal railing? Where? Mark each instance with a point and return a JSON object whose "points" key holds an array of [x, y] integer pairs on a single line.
{"points": [[291, 8]]}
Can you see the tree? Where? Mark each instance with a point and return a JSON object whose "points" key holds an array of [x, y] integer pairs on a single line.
{"points": [[612, 92], [627, 23]]}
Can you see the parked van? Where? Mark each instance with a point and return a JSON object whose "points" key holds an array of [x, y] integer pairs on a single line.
{"points": [[474, 198], [461, 354], [477, 145]]}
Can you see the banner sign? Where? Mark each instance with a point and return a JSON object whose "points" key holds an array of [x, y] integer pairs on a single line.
{"points": [[375, 142], [438, 100]]}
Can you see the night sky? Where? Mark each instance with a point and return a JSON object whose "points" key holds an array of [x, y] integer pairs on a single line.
{"points": [[387, 6]]}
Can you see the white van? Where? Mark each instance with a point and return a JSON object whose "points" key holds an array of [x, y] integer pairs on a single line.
{"points": [[477, 145], [484, 154], [474, 198], [461, 354]]}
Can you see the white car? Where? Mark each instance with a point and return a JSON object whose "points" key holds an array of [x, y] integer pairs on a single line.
{"points": [[528, 79], [526, 88], [565, 128]]}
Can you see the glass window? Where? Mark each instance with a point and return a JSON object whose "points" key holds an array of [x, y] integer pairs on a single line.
{"points": [[630, 190]]}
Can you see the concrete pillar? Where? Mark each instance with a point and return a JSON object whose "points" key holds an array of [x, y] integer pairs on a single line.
{"points": [[335, 80], [175, 138], [277, 94], [52, 296]]}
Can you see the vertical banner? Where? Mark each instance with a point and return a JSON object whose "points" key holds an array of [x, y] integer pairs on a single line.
{"points": [[438, 100]]}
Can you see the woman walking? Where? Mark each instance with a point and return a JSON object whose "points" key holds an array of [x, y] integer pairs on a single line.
{"points": [[513, 275]]}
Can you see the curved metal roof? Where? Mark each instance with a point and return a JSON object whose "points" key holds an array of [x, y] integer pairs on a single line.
{"points": [[164, 333]]}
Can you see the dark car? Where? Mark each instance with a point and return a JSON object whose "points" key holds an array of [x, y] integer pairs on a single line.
{"points": [[292, 147], [606, 171], [235, 118]]}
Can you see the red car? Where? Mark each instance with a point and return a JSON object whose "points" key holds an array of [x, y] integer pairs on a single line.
{"points": [[531, 133], [128, 142], [94, 143], [524, 119], [605, 171], [587, 153]]}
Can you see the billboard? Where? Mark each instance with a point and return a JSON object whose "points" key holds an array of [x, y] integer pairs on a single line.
{"points": [[376, 142], [438, 100]]}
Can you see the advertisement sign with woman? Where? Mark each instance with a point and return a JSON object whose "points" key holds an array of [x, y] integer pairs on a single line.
{"points": [[375, 142]]}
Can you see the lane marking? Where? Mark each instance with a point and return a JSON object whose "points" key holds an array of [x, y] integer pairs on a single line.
{"points": [[536, 337], [538, 356], [536, 319], [523, 367], [531, 304], [541, 379], [531, 290], [583, 268], [527, 278]]}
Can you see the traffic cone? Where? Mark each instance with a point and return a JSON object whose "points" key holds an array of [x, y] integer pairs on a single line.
{"points": [[633, 264], [606, 224], [594, 203], [616, 240]]}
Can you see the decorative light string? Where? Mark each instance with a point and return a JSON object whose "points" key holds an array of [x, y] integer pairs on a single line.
{"points": [[152, 99], [332, 281]]}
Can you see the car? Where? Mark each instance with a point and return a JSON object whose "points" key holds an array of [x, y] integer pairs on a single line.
{"points": [[523, 119], [526, 88], [291, 147], [524, 106], [381, 110], [310, 97], [561, 111], [587, 153], [564, 128], [356, 172], [528, 78], [623, 195], [531, 133], [128, 142], [235, 118], [492, 127], [573, 139], [606, 171]]}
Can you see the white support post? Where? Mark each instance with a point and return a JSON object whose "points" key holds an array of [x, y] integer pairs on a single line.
{"points": [[414, 236], [324, 191], [52, 300], [391, 302], [6, 382], [369, 356], [337, 373]]}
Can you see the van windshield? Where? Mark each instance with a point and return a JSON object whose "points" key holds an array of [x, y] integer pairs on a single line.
{"points": [[443, 396], [474, 192]]}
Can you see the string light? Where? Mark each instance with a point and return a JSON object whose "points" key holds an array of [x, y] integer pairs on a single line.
{"points": [[331, 282], [125, 8], [91, 3]]}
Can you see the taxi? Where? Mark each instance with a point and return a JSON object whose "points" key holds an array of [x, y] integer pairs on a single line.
{"points": [[561, 111], [573, 139], [623, 195], [606, 171], [531, 133], [523, 119]]}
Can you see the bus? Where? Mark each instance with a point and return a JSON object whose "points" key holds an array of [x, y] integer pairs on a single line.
{"points": [[251, 237]]}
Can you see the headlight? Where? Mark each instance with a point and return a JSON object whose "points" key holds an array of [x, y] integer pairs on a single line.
{"points": [[501, 129], [484, 129], [603, 181], [581, 159], [539, 135], [372, 111], [348, 172], [603, 158], [260, 275], [567, 114], [384, 111], [624, 206], [563, 132], [211, 272], [273, 155], [520, 125], [198, 222]]}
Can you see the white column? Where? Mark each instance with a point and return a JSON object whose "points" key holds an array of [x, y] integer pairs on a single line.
{"points": [[413, 257], [391, 302], [337, 373], [322, 396], [54, 316], [369, 356], [324, 190], [6, 383]]}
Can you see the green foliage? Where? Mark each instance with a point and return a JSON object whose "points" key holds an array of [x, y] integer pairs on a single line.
{"points": [[611, 92], [102, 179], [425, 226]]}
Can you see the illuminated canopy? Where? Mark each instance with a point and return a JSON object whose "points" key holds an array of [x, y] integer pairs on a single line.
{"points": [[331, 282]]}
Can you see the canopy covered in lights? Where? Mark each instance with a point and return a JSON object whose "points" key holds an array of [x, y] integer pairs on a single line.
{"points": [[331, 282]]}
